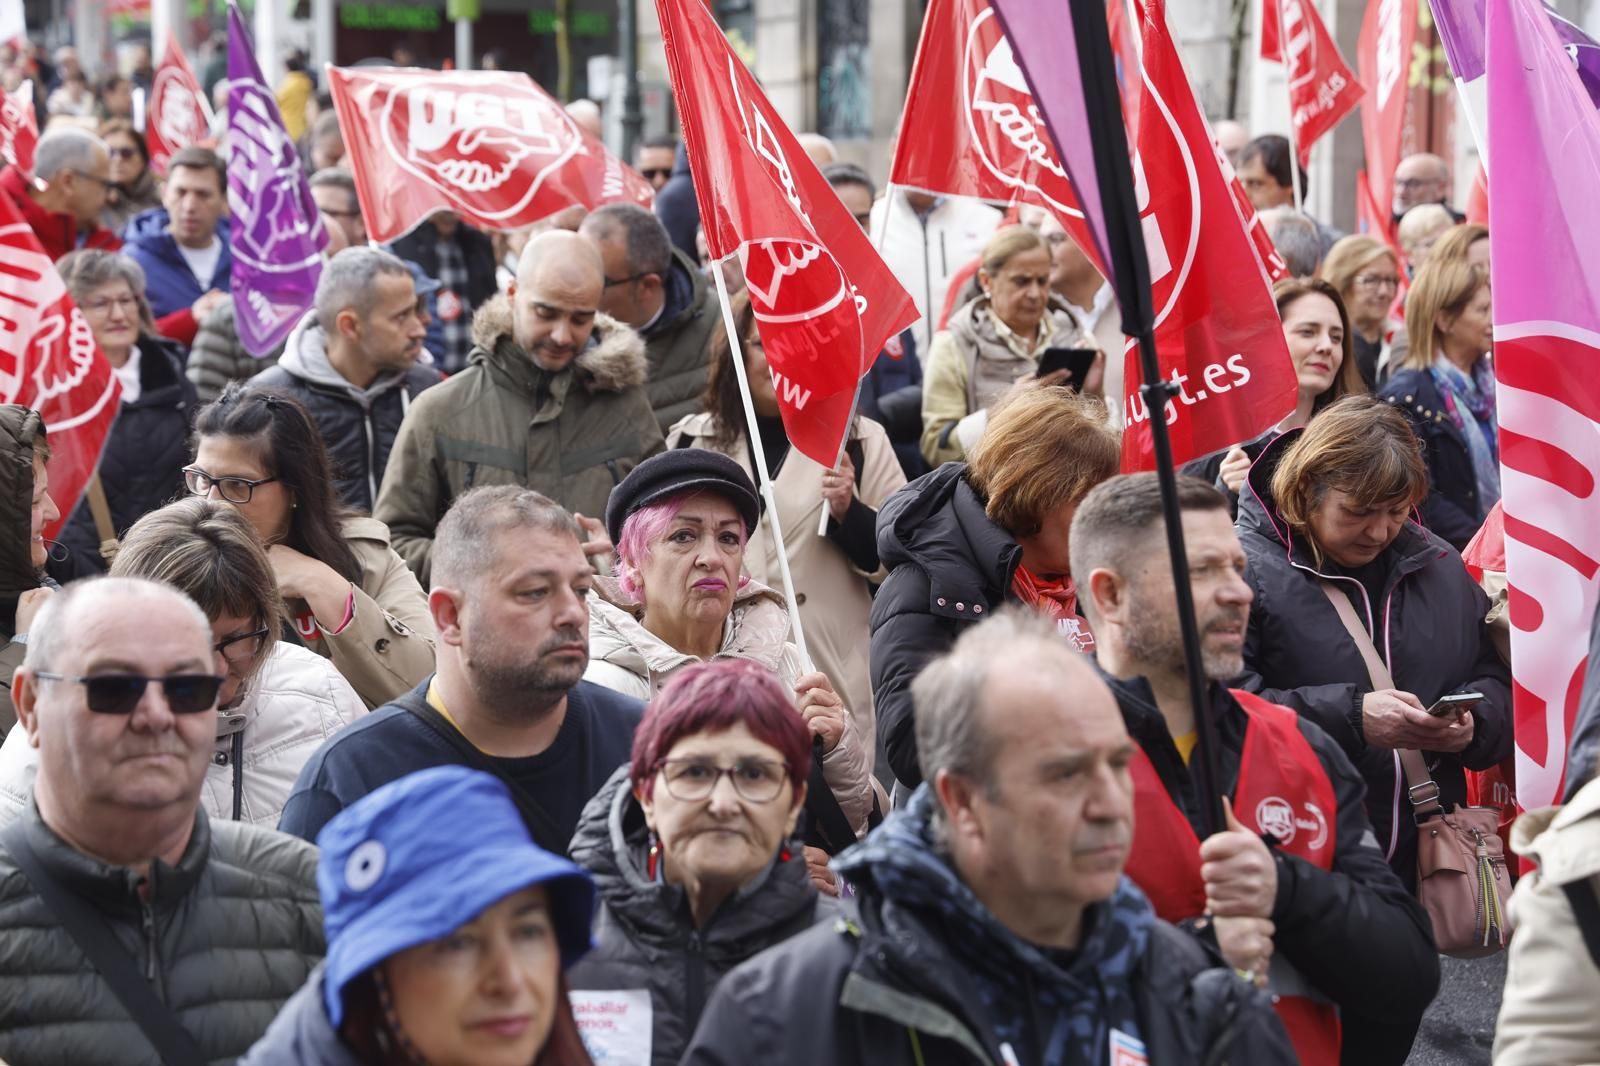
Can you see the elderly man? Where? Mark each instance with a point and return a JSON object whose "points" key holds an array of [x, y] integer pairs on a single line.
{"points": [[1422, 178], [63, 202], [1296, 237], [553, 399], [659, 292], [995, 924], [353, 362], [1267, 171], [510, 603], [183, 244], [137, 931], [1351, 949]]}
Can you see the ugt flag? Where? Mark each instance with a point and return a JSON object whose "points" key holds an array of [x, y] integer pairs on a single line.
{"points": [[50, 362], [491, 146], [1322, 90], [824, 300], [19, 128], [1543, 128], [1383, 55], [176, 115], [277, 236]]}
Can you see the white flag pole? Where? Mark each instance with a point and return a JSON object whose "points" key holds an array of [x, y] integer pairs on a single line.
{"points": [[736, 349], [1288, 76], [822, 526]]}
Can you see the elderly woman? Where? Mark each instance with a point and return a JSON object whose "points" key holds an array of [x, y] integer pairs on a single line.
{"points": [[680, 522], [832, 568], [134, 186], [448, 933], [278, 702], [1326, 513], [992, 345], [720, 748], [963, 540], [141, 467], [347, 595], [1365, 272], [1445, 386], [1419, 230]]}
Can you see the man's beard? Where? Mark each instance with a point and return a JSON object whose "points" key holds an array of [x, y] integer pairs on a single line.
{"points": [[1161, 646], [503, 674]]}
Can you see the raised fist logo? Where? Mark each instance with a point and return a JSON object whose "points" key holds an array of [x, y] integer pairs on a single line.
{"points": [[799, 289], [62, 353], [178, 119], [277, 227], [1003, 121]]}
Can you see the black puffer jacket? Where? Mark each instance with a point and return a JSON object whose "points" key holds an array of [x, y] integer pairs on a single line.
{"points": [[20, 428], [141, 468], [227, 935], [949, 566], [644, 937], [1451, 509], [1429, 627]]}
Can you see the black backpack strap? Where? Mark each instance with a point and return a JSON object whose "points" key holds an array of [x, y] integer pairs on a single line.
{"points": [[826, 826], [543, 828], [106, 954], [1586, 909]]}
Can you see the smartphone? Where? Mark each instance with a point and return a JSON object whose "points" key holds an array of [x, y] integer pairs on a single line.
{"points": [[1455, 705], [1075, 361]]}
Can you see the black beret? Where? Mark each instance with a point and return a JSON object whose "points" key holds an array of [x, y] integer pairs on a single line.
{"points": [[681, 471]]}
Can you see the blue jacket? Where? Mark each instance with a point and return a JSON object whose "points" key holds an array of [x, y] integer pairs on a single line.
{"points": [[169, 283]]}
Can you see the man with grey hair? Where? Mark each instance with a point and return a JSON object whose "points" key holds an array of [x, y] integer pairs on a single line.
{"points": [[657, 290], [1296, 237], [63, 200], [1352, 964], [138, 930], [1422, 178], [356, 362], [553, 399], [510, 604], [994, 921]]}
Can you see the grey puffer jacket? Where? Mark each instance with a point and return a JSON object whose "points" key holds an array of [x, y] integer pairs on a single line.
{"points": [[228, 935], [644, 937]]}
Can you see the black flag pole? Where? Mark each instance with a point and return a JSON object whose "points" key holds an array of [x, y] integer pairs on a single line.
{"points": [[1125, 240]]}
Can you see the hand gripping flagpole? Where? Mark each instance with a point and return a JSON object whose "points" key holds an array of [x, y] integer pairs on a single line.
{"points": [[736, 350]]}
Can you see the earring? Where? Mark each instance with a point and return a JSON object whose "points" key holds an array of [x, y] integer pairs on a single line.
{"points": [[653, 859]]}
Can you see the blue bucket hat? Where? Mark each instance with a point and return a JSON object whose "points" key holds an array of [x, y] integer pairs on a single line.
{"points": [[422, 856]]}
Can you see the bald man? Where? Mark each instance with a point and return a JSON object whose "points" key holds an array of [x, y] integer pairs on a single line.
{"points": [[1423, 178], [552, 399]]}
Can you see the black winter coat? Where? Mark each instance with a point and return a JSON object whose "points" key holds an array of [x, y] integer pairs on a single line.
{"points": [[1353, 932], [141, 468], [1431, 631], [1451, 509], [644, 937], [949, 566], [421, 246]]}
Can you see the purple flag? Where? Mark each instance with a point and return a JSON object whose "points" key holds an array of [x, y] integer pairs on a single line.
{"points": [[277, 236], [1461, 31]]}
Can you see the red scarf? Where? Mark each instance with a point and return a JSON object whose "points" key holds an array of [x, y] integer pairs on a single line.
{"points": [[1057, 600]]}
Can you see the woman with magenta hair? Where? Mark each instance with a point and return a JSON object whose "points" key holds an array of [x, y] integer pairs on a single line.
{"points": [[692, 845], [680, 522]]}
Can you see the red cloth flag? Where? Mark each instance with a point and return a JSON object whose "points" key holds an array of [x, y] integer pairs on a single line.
{"points": [[1383, 55], [1322, 90], [491, 146], [19, 128], [176, 114], [50, 362], [825, 302]]}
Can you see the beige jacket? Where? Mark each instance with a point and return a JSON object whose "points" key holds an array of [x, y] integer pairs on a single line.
{"points": [[626, 657], [387, 649], [832, 594], [1549, 1015]]}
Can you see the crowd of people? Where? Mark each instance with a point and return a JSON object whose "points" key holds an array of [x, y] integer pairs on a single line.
{"points": [[427, 691]]}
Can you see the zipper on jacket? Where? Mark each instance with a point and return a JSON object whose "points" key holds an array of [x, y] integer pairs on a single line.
{"points": [[695, 983], [147, 924], [472, 475], [372, 457], [927, 277]]}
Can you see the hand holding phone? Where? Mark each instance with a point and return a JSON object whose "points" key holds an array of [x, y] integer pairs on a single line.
{"points": [[1077, 362], [1456, 704]]}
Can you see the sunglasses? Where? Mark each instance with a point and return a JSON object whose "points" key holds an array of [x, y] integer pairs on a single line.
{"points": [[657, 172], [121, 693]]}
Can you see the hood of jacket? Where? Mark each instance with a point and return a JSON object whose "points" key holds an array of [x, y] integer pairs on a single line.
{"points": [[937, 522], [757, 629], [974, 326], [686, 289], [305, 356], [612, 361], [20, 428], [301, 1033], [149, 228], [612, 842]]}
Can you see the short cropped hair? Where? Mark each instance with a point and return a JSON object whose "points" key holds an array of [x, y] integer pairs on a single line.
{"points": [[464, 542], [849, 174], [1009, 241], [1276, 158], [649, 249], [199, 157], [86, 269], [350, 282], [65, 148], [335, 178], [713, 697], [1295, 237], [1043, 447], [58, 615]]}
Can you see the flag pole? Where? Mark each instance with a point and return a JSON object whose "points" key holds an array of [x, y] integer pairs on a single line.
{"points": [[1294, 141], [844, 441], [736, 350]]}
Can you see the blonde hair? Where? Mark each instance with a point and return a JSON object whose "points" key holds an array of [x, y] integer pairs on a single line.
{"points": [[1351, 255], [1444, 286], [1421, 222], [1009, 241], [1042, 448], [1456, 243]]}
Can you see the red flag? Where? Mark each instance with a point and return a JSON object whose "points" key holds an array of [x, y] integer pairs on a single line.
{"points": [[1217, 331], [19, 128], [49, 361], [176, 115], [491, 146], [1384, 56], [1322, 90], [825, 302]]}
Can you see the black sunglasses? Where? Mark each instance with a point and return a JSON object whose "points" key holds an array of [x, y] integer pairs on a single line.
{"points": [[121, 693], [657, 172]]}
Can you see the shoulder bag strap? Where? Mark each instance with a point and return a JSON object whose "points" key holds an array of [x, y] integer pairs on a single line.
{"points": [[1586, 910], [827, 827], [101, 510], [1420, 785], [99, 944], [545, 832]]}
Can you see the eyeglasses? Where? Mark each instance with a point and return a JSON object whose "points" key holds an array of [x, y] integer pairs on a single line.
{"points": [[1377, 281], [121, 693], [127, 304], [122, 153], [1416, 184], [97, 179], [340, 214], [630, 278], [232, 489], [757, 780], [243, 648], [657, 172]]}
